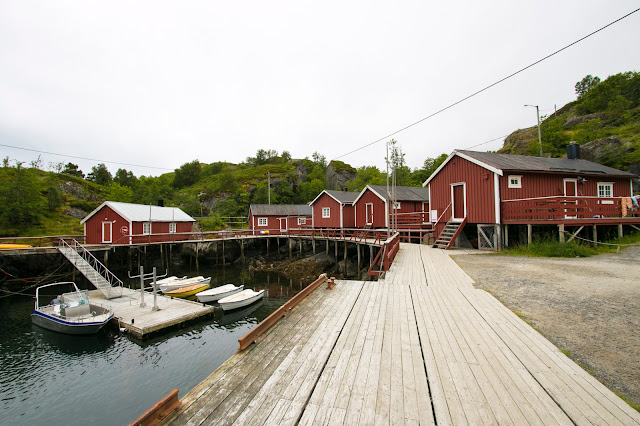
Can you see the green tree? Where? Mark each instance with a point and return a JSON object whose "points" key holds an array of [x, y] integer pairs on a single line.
{"points": [[367, 175], [125, 178], [261, 194], [310, 190], [72, 170], [283, 193], [187, 175], [54, 199], [100, 175], [586, 84], [121, 193], [21, 202]]}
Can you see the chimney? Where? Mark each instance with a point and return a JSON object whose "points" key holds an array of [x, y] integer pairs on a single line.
{"points": [[160, 203], [573, 151]]}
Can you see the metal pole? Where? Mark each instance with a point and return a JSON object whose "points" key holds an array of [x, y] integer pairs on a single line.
{"points": [[142, 304], [155, 291], [269, 186], [539, 134]]}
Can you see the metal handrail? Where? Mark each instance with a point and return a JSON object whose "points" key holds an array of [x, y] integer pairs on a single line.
{"points": [[97, 266]]}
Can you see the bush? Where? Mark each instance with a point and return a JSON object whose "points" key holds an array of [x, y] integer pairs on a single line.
{"points": [[549, 248]]}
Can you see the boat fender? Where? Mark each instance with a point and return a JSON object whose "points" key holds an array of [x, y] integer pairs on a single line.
{"points": [[93, 313]]}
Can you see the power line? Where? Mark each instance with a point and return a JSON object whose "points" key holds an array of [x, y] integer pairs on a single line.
{"points": [[484, 143], [486, 88], [83, 158]]}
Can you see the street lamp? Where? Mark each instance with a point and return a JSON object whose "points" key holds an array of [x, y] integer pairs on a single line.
{"points": [[539, 136]]}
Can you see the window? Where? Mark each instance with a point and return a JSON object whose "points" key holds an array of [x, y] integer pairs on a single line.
{"points": [[302, 221], [515, 181], [326, 212], [172, 228], [262, 221], [146, 228], [605, 189]]}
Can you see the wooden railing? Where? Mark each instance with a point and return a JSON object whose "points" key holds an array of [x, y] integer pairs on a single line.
{"points": [[48, 241], [562, 208], [282, 311], [375, 236], [383, 260], [412, 220]]}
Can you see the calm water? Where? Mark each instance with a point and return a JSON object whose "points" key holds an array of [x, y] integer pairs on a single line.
{"points": [[109, 379]]}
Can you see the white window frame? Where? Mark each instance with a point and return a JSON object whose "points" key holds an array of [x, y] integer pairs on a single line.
{"points": [[517, 183], [326, 212], [263, 221], [602, 188], [172, 227], [397, 205], [302, 221], [146, 228]]}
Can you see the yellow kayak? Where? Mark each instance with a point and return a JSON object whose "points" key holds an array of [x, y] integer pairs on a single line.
{"points": [[14, 246], [185, 292]]}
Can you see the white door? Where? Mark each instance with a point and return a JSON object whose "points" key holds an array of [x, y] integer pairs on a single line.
{"points": [[106, 232]]}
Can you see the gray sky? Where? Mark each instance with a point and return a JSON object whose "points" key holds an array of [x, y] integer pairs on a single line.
{"points": [[161, 83]]}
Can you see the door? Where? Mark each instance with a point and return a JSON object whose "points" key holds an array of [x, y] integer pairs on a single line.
{"points": [[283, 225], [425, 212], [571, 190], [369, 213], [458, 202], [106, 232]]}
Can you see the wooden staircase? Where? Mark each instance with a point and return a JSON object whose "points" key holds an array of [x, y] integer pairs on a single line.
{"points": [[98, 274], [449, 234]]}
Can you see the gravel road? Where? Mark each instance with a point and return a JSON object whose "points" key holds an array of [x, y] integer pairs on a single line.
{"points": [[588, 307]]}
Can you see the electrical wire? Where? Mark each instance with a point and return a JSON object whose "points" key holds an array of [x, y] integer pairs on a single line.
{"points": [[84, 158], [486, 88]]}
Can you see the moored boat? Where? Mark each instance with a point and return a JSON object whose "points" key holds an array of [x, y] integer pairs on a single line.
{"points": [[218, 293], [170, 279], [181, 283], [241, 299], [189, 291], [70, 313]]}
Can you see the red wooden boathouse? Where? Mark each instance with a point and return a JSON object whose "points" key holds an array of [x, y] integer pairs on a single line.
{"points": [[334, 209], [277, 219], [373, 207], [125, 223], [493, 191]]}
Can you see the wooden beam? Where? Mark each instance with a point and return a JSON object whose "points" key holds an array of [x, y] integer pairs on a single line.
{"points": [[529, 234], [561, 232], [574, 234], [620, 234], [595, 235]]}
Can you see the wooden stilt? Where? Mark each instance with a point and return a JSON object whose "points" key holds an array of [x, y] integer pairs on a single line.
{"points": [[620, 234], [224, 260], [529, 234], [561, 232], [197, 262], [300, 249], [345, 259], [290, 248], [506, 235], [595, 235]]}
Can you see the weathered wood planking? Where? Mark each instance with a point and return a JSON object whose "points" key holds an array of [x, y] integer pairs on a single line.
{"points": [[420, 346]]}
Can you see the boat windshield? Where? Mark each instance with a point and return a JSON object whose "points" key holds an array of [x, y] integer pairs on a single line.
{"points": [[76, 298]]}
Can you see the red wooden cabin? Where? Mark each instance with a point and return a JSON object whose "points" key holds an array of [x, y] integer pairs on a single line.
{"points": [[277, 219], [125, 223], [334, 209], [373, 207], [501, 189]]}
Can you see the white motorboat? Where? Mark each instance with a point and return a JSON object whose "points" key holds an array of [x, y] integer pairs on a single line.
{"points": [[70, 313], [175, 285], [170, 279], [218, 293], [238, 300]]}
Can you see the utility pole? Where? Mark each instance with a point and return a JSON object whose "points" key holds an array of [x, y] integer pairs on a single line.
{"points": [[539, 135], [269, 186]]}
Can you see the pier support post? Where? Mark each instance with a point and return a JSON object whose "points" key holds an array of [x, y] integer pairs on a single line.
{"points": [[313, 244], [242, 250], [267, 246], [224, 260], [620, 231], [529, 234], [161, 258], [106, 258], [197, 262], [326, 247], [506, 236], [300, 251], [595, 236], [370, 256], [561, 232], [345, 259], [290, 248], [359, 258], [336, 250]]}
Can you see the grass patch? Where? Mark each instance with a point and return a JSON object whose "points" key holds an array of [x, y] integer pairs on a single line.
{"points": [[552, 249], [631, 404]]}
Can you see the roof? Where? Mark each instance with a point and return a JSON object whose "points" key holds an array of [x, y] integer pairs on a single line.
{"points": [[143, 213], [403, 193], [343, 197], [524, 163], [280, 209]]}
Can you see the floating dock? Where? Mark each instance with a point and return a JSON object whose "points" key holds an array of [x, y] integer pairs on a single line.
{"points": [[142, 321], [422, 346]]}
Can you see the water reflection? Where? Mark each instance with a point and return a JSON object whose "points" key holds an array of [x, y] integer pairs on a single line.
{"points": [[72, 344], [242, 316]]}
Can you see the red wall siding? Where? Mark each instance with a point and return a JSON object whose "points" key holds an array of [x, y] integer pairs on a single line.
{"points": [[479, 191], [273, 224], [552, 184], [182, 232], [93, 226], [331, 222], [379, 210]]}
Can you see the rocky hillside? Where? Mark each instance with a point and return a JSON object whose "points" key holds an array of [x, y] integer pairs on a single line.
{"points": [[604, 120]]}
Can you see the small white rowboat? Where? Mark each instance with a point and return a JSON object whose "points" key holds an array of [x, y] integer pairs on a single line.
{"points": [[238, 300], [175, 285], [218, 293]]}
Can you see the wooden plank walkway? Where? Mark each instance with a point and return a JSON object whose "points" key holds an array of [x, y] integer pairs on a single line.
{"points": [[421, 346], [141, 321]]}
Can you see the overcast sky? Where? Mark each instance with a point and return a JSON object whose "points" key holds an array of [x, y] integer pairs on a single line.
{"points": [[161, 83]]}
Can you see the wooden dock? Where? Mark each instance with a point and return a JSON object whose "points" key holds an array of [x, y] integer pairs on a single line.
{"points": [[421, 346], [141, 321]]}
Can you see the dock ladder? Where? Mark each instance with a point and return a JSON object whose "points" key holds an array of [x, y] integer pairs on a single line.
{"points": [[98, 274]]}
